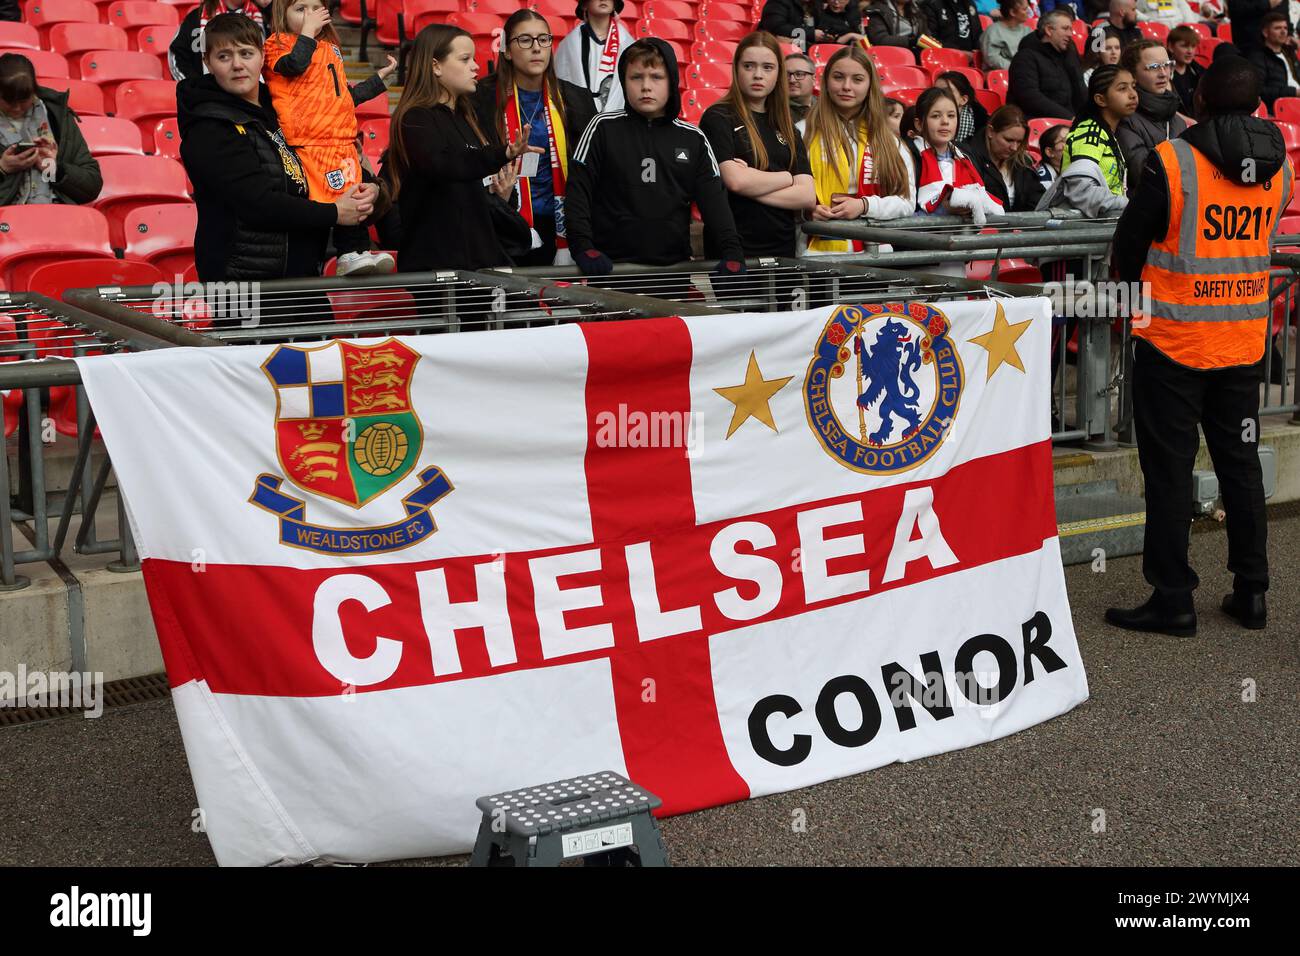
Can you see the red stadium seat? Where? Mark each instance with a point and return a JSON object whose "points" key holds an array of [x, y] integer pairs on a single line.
{"points": [[154, 40], [162, 234], [1009, 270], [73, 38], [109, 69], [43, 62], [1039, 126], [418, 14], [667, 30], [1224, 32], [1287, 108], [18, 36], [989, 99], [1154, 31], [708, 75], [131, 181], [713, 51], [376, 106], [903, 76], [554, 8], [669, 10], [167, 138], [111, 136], [85, 99], [478, 24], [374, 138], [1290, 134], [882, 55], [946, 58], [985, 21], [1200, 28], [975, 76], [732, 12], [43, 14], [1205, 51], [500, 8], [721, 30], [145, 102], [35, 235], [376, 305], [132, 15], [907, 95], [997, 80], [350, 12], [679, 51], [54, 278]]}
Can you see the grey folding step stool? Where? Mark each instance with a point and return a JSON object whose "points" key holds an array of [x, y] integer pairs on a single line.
{"points": [[600, 816]]}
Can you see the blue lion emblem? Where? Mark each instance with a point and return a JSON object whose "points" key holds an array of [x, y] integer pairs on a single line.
{"points": [[887, 378]]}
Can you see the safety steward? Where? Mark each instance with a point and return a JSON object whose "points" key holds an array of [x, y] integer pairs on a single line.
{"points": [[1196, 233]]}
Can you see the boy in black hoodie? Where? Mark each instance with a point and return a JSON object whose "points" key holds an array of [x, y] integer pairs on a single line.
{"points": [[635, 174]]}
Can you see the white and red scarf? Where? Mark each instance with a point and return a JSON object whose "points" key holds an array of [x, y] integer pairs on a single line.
{"points": [[609, 55], [932, 189]]}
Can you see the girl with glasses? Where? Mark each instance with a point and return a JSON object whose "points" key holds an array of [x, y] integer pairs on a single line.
{"points": [[1157, 117], [763, 161], [588, 57], [525, 91]]}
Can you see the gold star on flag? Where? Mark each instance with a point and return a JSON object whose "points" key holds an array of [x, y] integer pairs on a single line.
{"points": [[1000, 342], [751, 399]]}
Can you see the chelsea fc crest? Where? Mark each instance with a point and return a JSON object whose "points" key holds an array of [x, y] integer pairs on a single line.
{"points": [[883, 387], [346, 430]]}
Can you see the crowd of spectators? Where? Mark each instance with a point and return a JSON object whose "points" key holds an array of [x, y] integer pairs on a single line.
{"points": [[576, 151]]}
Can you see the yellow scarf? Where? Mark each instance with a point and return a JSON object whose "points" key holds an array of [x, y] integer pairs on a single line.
{"points": [[832, 176]]}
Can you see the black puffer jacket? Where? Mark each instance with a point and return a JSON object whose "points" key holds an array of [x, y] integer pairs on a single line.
{"points": [[255, 220], [1045, 81], [783, 17], [1245, 149], [883, 19]]}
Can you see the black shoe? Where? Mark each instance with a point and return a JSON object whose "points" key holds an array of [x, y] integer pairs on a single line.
{"points": [[1154, 616], [1247, 609]]}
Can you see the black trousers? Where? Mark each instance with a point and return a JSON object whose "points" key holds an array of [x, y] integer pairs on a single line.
{"points": [[1169, 401]]}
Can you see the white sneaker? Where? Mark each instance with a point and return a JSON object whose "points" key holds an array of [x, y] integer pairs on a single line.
{"points": [[355, 264], [383, 262]]}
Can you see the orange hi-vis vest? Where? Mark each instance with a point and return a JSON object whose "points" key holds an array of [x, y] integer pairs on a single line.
{"points": [[1209, 276]]}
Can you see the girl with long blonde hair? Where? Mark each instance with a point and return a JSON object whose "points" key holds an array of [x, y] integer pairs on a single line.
{"points": [[762, 159], [859, 166]]}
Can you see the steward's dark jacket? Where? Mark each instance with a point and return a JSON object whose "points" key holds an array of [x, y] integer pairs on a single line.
{"points": [[1227, 142]]}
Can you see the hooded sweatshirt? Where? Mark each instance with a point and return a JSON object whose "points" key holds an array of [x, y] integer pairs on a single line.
{"points": [[255, 220], [633, 179], [1227, 142]]}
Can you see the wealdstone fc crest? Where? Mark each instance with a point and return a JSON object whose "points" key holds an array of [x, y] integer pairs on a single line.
{"points": [[883, 387], [345, 430]]}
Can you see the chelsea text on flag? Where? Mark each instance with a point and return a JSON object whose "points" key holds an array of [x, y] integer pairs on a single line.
{"points": [[726, 556]]}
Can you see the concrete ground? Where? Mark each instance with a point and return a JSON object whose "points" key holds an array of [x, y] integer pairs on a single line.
{"points": [[1185, 770]]}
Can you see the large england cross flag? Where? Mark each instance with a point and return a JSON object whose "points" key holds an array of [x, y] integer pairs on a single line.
{"points": [[726, 556]]}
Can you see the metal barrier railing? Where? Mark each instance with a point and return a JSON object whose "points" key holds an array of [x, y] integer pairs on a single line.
{"points": [[43, 397]]}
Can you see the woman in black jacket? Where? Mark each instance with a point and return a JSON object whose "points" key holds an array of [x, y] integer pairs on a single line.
{"points": [[792, 20], [998, 152], [185, 55], [526, 88], [255, 220], [440, 156], [896, 23]]}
